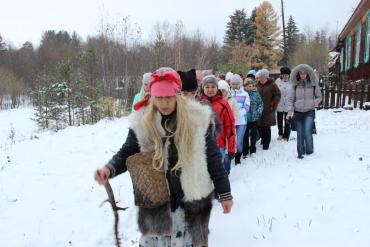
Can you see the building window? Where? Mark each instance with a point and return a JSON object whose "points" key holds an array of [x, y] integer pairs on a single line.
{"points": [[348, 53], [341, 61], [367, 39], [357, 45]]}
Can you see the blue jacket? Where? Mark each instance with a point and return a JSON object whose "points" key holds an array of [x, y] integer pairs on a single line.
{"points": [[256, 106]]}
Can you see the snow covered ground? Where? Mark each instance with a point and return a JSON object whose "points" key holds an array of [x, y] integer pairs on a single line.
{"points": [[48, 196]]}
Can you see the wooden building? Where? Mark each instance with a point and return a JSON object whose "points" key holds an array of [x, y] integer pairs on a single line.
{"points": [[353, 46]]}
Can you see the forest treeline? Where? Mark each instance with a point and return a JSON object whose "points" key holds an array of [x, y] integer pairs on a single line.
{"points": [[73, 81]]}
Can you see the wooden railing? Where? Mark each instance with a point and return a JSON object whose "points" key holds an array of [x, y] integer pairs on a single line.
{"points": [[337, 94]]}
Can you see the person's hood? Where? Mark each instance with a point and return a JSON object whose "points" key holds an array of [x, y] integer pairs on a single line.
{"points": [[308, 69]]}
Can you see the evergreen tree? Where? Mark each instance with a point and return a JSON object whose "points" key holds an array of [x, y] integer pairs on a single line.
{"points": [[2, 52], [42, 100], [267, 50], [65, 70], [251, 28], [292, 37], [236, 28], [92, 89], [76, 42], [239, 29], [236, 31], [159, 47], [2, 44]]}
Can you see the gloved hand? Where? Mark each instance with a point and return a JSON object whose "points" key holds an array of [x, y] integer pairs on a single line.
{"points": [[289, 116], [231, 155]]}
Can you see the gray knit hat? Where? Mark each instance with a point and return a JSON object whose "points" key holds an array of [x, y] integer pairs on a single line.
{"points": [[209, 79], [236, 79], [263, 73]]}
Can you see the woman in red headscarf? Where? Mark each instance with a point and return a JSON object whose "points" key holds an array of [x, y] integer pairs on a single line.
{"points": [[178, 132]]}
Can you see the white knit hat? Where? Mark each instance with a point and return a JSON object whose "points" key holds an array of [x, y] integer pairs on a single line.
{"points": [[228, 76], [146, 77], [223, 85]]}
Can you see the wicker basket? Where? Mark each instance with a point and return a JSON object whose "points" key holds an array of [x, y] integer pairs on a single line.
{"points": [[150, 185]]}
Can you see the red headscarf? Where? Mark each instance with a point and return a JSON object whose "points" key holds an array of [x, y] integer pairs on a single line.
{"points": [[163, 82]]}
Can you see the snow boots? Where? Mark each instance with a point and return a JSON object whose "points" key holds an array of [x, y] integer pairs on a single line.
{"points": [[237, 158]]}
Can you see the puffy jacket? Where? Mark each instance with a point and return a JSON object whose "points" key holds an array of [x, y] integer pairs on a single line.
{"points": [[306, 95], [256, 106], [285, 90], [242, 98], [224, 112]]}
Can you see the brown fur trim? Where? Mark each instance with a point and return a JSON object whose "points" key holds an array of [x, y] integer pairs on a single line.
{"points": [[197, 215], [155, 221]]}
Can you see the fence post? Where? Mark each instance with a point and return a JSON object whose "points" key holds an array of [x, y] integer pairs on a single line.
{"points": [[326, 98], [339, 88], [344, 94], [321, 105], [349, 93], [368, 92], [362, 95], [332, 96], [355, 97]]}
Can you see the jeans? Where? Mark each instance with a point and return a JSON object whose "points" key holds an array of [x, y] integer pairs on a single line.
{"points": [[251, 132], [304, 122], [226, 161], [240, 130], [283, 125]]}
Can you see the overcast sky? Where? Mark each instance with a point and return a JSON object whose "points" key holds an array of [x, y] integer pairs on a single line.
{"points": [[25, 20]]}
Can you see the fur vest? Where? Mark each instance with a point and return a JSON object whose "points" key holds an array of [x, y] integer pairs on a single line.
{"points": [[195, 179]]}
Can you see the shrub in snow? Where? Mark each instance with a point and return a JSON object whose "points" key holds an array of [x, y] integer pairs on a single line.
{"points": [[348, 107], [367, 105]]}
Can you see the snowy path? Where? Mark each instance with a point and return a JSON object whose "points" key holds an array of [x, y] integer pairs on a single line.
{"points": [[48, 196]]}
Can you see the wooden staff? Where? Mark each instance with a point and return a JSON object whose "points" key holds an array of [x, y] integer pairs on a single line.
{"points": [[115, 209]]}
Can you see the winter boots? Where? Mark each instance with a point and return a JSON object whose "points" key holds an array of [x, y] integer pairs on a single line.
{"points": [[237, 158]]}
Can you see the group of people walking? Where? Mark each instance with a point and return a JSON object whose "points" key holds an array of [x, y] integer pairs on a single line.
{"points": [[194, 127]]}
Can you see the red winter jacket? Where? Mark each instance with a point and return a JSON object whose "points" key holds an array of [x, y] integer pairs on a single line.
{"points": [[227, 119]]}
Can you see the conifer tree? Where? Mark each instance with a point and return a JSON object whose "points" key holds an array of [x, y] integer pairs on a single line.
{"points": [[2, 44], [251, 28], [236, 31], [236, 28], [292, 36], [267, 50]]}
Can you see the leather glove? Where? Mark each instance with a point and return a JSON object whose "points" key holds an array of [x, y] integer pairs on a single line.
{"points": [[231, 155]]}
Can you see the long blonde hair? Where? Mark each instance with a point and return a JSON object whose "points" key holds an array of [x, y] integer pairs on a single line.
{"points": [[183, 133]]}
